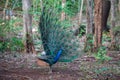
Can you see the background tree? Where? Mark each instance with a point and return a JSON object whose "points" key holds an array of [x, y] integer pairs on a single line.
{"points": [[41, 4], [4, 10], [114, 28], [89, 27], [102, 8], [98, 23], [89, 14], [80, 13], [119, 6], [27, 23], [112, 24]]}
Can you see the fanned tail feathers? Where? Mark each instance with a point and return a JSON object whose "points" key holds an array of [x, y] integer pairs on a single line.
{"points": [[56, 38]]}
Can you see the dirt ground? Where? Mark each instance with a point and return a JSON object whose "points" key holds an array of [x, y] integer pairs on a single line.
{"points": [[17, 66]]}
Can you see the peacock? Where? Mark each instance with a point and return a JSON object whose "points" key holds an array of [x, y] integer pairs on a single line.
{"points": [[59, 43]]}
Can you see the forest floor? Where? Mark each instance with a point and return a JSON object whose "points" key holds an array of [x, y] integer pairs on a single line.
{"points": [[17, 66]]}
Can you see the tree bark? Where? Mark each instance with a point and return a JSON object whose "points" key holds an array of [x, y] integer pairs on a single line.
{"points": [[27, 23], [4, 10], [119, 6], [98, 23], [105, 12], [80, 14], [41, 5], [89, 27], [89, 13], [112, 23]]}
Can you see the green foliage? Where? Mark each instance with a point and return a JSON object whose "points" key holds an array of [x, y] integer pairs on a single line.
{"points": [[12, 4], [52, 3], [36, 9], [101, 54], [101, 70], [3, 46], [106, 37], [66, 24], [14, 44], [71, 7], [4, 27], [116, 30], [82, 30], [9, 29], [16, 4], [89, 43]]}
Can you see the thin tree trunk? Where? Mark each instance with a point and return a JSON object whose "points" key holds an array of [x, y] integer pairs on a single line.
{"points": [[112, 23], [63, 16], [4, 13], [89, 13], [119, 6], [27, 23], [89, 27], [80, 14], [98, 23], [41, 4]]}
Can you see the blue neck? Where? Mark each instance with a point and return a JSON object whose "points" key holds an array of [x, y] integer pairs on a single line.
{"points": [[57, 56]]}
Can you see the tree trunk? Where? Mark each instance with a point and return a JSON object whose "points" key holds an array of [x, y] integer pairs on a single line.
{"points": [[98, 23], [63, 16], [89, 27], [119, 6], [112, 23], [80, 14], [41, 5], [89, 13], [105, 13], [27, 23], [4, 10]]}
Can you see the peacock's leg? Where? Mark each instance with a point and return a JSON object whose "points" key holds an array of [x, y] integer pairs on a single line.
{"points": [[50, 70]]}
